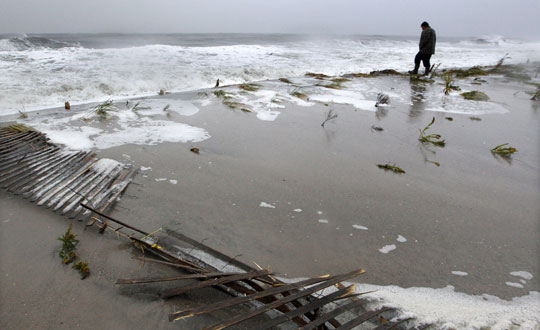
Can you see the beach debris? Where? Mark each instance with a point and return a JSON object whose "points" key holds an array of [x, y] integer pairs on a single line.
{"points": [[474, 71], [236, 105], [166, 107], [390, 72], [504, 151], [333, 85], [22, 115], [195, 150], [376, 128], [161, 92], [475, 118], [448, 83], [103, 109], [382, 99], [362, 75], [83, 268], [249, 87], [434, 139], [475, 96], [299, 95], [389, 167], [500, 62], [449, 118], [478, 81], [220, 93], [536, 95], [319, 76], [432, 162], [340, 80], [217, 84], [138, 107], [328, 116], [67, 106], [285, 80], [433, 70], [69, 243]]}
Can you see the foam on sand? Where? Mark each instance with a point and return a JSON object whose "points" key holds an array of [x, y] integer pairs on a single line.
{"points": [[387, 248]]}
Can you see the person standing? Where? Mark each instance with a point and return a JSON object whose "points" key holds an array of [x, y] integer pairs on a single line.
{"points": [[427, 48]]}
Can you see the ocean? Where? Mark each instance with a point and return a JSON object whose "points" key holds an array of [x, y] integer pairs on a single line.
{"points": [[44, 70]]}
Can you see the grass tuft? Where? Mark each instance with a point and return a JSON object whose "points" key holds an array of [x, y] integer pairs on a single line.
{"points": [[285, 80], [69, 243], [434, 139], [504, 151], [393, 168], [82, 267], [249, 87], [475, 96]]}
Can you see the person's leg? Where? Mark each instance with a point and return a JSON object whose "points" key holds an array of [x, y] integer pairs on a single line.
{"points": [[417, 60], [425, 61]]}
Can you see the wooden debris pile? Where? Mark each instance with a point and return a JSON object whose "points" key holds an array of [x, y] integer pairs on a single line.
{"points": [[60, 179]]}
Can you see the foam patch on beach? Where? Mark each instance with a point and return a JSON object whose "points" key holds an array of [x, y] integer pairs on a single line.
{"points": [[457, 104], [149, 125]]}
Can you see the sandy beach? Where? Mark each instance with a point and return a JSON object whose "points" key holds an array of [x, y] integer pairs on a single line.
{"points": [[278, 189]]}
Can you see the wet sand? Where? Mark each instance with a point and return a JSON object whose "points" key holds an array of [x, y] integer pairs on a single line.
{"points": [[475, 213]]}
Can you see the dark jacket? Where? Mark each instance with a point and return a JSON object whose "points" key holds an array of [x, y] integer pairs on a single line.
{"points": [[427, 41]]}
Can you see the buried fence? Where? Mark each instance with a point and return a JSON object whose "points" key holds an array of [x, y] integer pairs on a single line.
{"points": [[78, 184]]}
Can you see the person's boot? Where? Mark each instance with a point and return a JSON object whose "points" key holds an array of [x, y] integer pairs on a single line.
{"points": [[415, 71], [427, 71]]}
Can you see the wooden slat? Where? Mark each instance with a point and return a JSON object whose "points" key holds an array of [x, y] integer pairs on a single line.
{"points": [[240, 318], [332, 314], [222, 280], [363, 318], [239, 300], [340, 294], [175, 278]]}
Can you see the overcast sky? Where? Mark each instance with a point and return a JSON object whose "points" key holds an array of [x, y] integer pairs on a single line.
{"points": [[511, 18]]}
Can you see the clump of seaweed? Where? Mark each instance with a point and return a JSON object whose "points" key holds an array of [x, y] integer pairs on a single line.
{"points": [[236, 105], [299, 95], [536, 95], [333, 85], [504, 151], [69, 243], [389, 167], [418, 78], [317, 75], [23, 115], [340, 80], [474, 71], [249, 87], [377, 128], [382, 99], [390, 72], [83, 268], [220, 93], [434, 139], [104, 108], [475, 96], [195, 150], [449, 83], [475, 118], [449, 118], [285, 80], [363, 75], [328, 116]]}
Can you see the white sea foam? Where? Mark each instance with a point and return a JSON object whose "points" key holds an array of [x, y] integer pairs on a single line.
{"points": [[264, 204], [387, 248], [323, 221], [459, 273], [82, 75], [360, 227], [523, 274], [515, 285], [401, 239], [173, 181], [297, 210]]}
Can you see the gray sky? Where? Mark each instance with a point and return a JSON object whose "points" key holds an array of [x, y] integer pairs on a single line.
{"points": [[512, 18]]}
